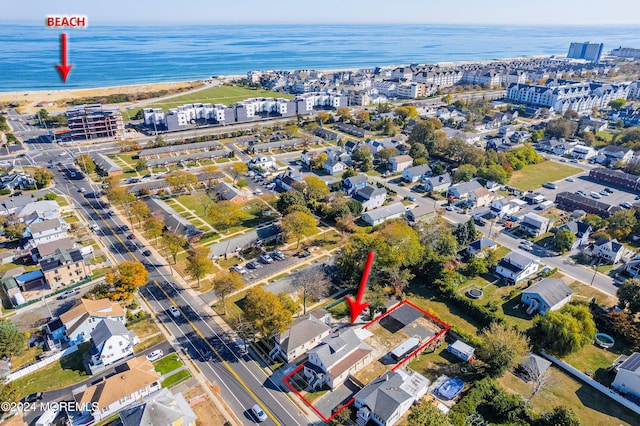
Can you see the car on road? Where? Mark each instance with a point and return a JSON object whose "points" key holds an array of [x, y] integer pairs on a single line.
{"points": [[147, 253], [608, 190], [278, 255], [174, 311], [258, 413], [479, 221], [124, 228], [581, 192], [38, 396], [303, 253], [155, 355], [258, 191], [570, 179], [68, 293], [83, 190], [72, 174], [573, 161], [254, 265], [111, 213], [265, 258], [412, 199], [132, 237], [95, 227], [239, 269], [595, 195]]}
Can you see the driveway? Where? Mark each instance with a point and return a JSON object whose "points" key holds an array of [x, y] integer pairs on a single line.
{"points": [[336, 398]]}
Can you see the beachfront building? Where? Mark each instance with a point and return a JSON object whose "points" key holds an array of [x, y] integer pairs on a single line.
{"points": [[588, 51], [95, 121]]}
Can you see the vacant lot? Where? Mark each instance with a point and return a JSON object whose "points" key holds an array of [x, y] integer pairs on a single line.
{"points": [[534, 175]]}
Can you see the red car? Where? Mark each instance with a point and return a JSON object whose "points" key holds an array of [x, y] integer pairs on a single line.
{"points": [[132, 237]]}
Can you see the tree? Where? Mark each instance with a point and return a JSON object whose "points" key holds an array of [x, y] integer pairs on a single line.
{"points": [[621, 223], [140, 211], [565, 331], [447, 99], [629, 295], [560, 128], [318, 161], [502, 348], [141, 164], [125, 278], [465, 173], [315, 189], [349, 172], [344, 114], [399, 278], [225, 283], [118, 195], [377, 298], [476, 266], [179, 180], [292, 130], [153, 227], [323, 117], [564, 240], [85, 163], [362, 158], [312, 282], [12, 340], [8, 393], [14, 230], [173, 243], [418, 150], [595, 221], [363, 116], [427, 414], [225, 214], [560, 416], [495, 173], [386, 154], [618, 104], [42, 176], [297, 225], [288, 199], [238, 169], [265, 312], [199, 265]]}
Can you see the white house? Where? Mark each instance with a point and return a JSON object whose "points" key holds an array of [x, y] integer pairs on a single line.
{"points": [[580, 229], [504, 207], [303, 334], [45, 232], [110, 342], [333, 166], [615, 153], [627, 379], [583, 152], [462, 190], [335, 358], [415, 173], [550, 294], [400, 163], [438, 183], [379, 215], [77, 323], [37, 211], [371, 197], [161, 408], [264, 162], [535, 225], [609, 250], [516, 267], [120, 390], [385, 399]]}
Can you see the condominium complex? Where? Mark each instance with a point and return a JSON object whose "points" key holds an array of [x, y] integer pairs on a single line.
{"points": [[587, 50], [94, 122], [568, 95], [625, 52]]}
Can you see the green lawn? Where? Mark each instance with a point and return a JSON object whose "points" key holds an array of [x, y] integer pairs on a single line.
{"points": [[168, 364], [595, 361], [65, 372], [227, 95], [234, 305], [176, 378], [535, 175]]}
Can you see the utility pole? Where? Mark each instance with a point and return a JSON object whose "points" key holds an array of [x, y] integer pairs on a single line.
{"points": [[596, 272]]}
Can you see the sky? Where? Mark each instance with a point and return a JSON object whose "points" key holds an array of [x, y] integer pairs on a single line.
{"points": [[515, 12]]}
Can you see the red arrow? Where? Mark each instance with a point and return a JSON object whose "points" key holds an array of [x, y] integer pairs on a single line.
{"points": [[64, 68], [357, 306]]}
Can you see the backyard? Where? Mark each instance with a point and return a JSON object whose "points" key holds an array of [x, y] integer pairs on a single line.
{"points": [[534, 175]]}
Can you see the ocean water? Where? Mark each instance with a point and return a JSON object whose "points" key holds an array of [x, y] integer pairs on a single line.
{"points": [[119, 55]]}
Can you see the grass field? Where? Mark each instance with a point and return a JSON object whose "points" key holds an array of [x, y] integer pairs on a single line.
{"points": [[167, 364], [176, 378], [534, 175], [227, 95]]}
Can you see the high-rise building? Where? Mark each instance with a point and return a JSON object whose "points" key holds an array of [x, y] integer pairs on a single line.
{"points": [[94, 122], [587, 50]]}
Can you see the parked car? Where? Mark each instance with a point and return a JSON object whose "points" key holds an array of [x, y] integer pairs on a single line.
{"points": [[303, 253], [595, 195], [254, 265], [278, 255], [111, 213], [258, 191], [626, 205], [259, 414], [603, 192], [550, 185], [573, 161], [174, 311], [581, 192], [38, 396], [265, 258], [155, 355], [132, 237], [570, 179], [68, 293], [83, 190], [239, 269], [124, 228]]}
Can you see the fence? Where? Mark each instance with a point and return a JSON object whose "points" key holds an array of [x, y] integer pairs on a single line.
{"points": [[38, 365]]}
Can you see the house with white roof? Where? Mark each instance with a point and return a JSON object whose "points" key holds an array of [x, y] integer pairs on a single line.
{"points": [[303, 334], [504, 207], [381, 214], [516, 267], [385, 400], [335, 358], [110, 342], [160, 408], [549, 294], [371, 197], [38, 211], [264, 162]]}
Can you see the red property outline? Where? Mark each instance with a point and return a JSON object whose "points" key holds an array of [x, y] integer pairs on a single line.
{"points": [[405, 359]]}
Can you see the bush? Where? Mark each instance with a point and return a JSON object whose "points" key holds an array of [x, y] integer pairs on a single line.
{"points": [[135, 318], [5, 191]]}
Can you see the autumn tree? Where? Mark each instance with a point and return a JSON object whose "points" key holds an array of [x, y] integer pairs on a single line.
{"points": [[318, 161], [225, 214], [565, 331], [344, 113], [173, 243], [621, 223], [387, 153], [323, 117], [502, 348], [238, 169], [85, 163], [427, 414], [297, 225], [313, 188], [362, 158], [42, 176], [312, 283], [265, 312], [618, 104], [153, 227], [224, 284], [564, 240], [12, 340], [118, 195], [464, 173], [406, 112], [140, 211], [8, 394], [629, 295], [125, 278], [14, 230], [363, 116], [179, 180], [199, 265], [399, 278], [289, 199]]}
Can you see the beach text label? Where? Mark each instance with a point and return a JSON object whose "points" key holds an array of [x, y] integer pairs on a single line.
{"points": [[66, 21]]}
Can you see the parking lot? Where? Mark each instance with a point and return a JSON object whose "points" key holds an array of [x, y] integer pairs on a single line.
{"points": [[582, 182]]}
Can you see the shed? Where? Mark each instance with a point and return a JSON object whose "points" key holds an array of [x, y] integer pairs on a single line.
{"points": [[462, 350], [405, 348]]}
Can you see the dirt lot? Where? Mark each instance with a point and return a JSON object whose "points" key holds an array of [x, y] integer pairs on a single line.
{"points": [[206, 411]]}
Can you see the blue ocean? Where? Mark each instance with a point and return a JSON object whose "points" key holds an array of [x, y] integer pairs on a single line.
{"points": [[119, 55]]}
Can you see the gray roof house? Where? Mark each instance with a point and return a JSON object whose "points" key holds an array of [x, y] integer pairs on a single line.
{"points": [[462, 190], [438, 183], [110, 342], [371, 197], [535, 225], [420, 214], [379, 215], [303, 334], [105, 165], [256, 236], [627, 380], [333, 166], [609, 250], [580, 229], [550, 294], [173, 220], [478, 247], [160, 408], [385, 400], [227, 192], [415, 173], [515, 267]]}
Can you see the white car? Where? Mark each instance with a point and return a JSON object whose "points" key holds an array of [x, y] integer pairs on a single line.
{"points": [[155, 355], [174, 311], [595, 195], [259, 413], [95, 227], [239, 269], [258, 191], [570, 179], [68, 293]]}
